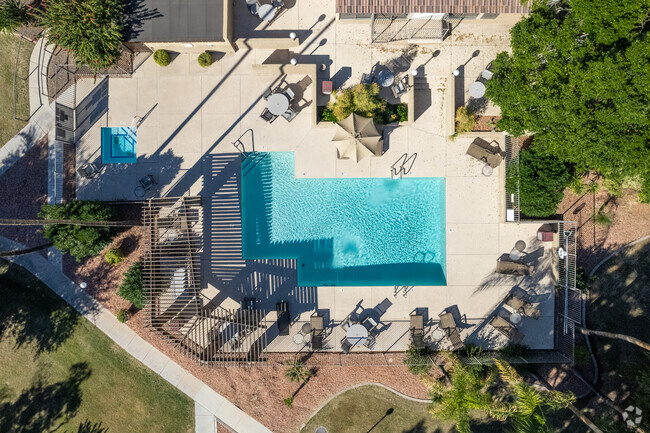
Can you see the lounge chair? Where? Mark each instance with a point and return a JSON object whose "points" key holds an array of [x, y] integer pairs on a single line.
{"points": [[317, 332], [520, 301], [88, 171], [268, 116], [284, 320], [506, 328], [514, 268], [417, 330], [483, 151], [447, 321]]}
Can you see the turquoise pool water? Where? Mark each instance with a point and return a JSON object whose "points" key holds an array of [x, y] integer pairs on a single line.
{"points": [[118, 145], [344, 232]]}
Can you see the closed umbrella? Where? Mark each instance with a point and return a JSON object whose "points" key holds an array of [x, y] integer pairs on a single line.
{"points": [[357, 137]]}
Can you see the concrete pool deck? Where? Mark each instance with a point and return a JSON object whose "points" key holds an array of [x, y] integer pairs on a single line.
{"points": [[193, 115]]}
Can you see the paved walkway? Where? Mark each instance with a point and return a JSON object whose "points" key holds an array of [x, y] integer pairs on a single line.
{"points": [[208, 402]]}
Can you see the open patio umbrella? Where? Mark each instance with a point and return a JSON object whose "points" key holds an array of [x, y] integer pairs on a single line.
{"points": [[357, 137]]}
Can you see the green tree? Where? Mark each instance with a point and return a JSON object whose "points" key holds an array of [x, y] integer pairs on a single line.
{"points": [[79, 241], [467, 392], [528, 405], [360, 99], [542, 180], [297, 372], [418, 359], [131, 288], [90, 29], [579, 79]]}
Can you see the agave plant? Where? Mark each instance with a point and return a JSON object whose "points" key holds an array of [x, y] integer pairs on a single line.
{"points": [[297, 372], [13, 14]]}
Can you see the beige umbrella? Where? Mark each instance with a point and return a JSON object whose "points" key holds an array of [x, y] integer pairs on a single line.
{"points": [[356, 137]]}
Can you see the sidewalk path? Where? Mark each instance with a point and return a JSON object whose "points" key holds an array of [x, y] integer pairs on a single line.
{"points": [[204, 396]]}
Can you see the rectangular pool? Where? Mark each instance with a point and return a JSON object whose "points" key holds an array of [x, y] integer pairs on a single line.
{"points": [[118, 145], [344, 232]]}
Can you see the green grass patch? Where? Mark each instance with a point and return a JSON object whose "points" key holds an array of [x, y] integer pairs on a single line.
{"points": [[8, 50], [59, 369], [359, 409]]}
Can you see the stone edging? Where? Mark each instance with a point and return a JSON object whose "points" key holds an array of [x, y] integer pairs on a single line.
{"points": [[359, 385]]}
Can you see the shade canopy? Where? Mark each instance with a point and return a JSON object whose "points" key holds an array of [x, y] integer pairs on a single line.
{"points": [[357, 137]]}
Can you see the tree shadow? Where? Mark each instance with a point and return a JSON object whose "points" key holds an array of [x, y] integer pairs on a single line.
{"points": [[32, 314], [41, 406], [135, 15], [90, 427], [418, 428]]}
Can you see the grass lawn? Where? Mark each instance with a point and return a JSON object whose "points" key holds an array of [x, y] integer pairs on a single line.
{"points": [[59, 371], [357, 410], [8, 49], [620, 302]]}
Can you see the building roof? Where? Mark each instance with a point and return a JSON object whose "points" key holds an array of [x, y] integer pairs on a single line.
{"points": [[177, 21], [430, 6]]}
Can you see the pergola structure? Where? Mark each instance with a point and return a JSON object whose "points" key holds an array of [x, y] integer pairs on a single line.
{"points": [[175, 306]]}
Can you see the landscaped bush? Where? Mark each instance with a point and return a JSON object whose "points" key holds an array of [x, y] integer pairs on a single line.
{"points": [[205, 59], [114, 256], [465, 121], [79, 241], [13, 14], [162, 58], [122, 315], [581, 355], [512, 350], [471, 350], [90, 29], [603, 219], [583, 280], [418, 359], [327, 115], [402, 113], [542, 180], [361, 99], [131, 288]]}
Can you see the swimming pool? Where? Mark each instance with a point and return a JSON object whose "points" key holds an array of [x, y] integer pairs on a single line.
{"points": [[118, 145], [344, 232]]}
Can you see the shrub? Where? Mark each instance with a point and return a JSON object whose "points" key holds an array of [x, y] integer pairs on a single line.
{"points": [[162, 58], [328, 115], [471, 350], [91, 29], [542, 180], [114, 256], [583, 280], [131, 288], [512, 350], [79, 241], [418, 359], [205, 59], [13, 14], [361, 99], [581, 355], [288, 402], [122, 315], [402, 113], [601, 218], [465, 121]]}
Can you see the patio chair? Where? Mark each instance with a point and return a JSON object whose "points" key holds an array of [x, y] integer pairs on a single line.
{"points": [[268, 116], [346, 324], [371, 342], [456, 341], [148, 182], [487, 75], [417, 330], [88, 171], [253, 7], [484, 152], [369, 323], [284, 320], [506, 328], [447, 321], [278, 4], [317, 331], [514, 268], [267, 93], [367, 79], [345, 345], [400, 87], [290, 94], [520, 301], [290, 114]]}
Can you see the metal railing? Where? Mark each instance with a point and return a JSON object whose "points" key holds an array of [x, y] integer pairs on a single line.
{"points": [[385, 28], [512, 179]]}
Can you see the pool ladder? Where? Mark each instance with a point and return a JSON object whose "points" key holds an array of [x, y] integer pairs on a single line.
{"points": [[403, 165], [251, 160]]}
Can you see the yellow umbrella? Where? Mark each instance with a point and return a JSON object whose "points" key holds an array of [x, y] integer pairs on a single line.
{"points": [[357, 137]]}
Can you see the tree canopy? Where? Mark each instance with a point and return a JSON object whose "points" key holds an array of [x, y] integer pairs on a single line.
{"points": [[579, 79]]}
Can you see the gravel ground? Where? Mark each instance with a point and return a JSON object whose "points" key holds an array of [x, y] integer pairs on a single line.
{"points": [[23, 190]]}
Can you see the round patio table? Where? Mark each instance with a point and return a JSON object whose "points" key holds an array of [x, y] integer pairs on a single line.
{"points": [[515, 318], [278, 103], [487, 170], [515, 255], [437, 335], [139, 191], [357, 334], [385, 78], [520, 245], [477, 89], [266, 12], [298, 338], [306, 328]]}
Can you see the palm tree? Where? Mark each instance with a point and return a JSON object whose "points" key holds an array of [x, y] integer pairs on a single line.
{"points": [[467, 392], [296, 372], [527, 408]]}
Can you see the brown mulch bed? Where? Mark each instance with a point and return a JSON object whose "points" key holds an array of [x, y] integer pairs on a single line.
{"points": [[483, 123], [23, 190], [258, 391], [630, 221]]}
